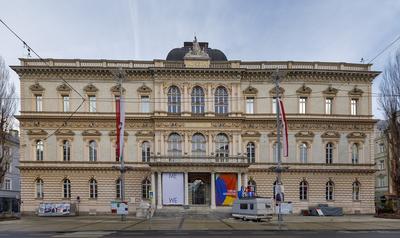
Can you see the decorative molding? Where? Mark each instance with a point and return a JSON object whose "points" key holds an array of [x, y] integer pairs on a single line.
{"points": [[356, 92], [63, 88], [90, 88], [250, 90], [304, 90], [65, 132], [36, 88], [330, 134], [114, 133], [144, 89], [37, 132], [304, 134], [330, 91], [116, 89], [91, 133], [144, 134], [273, 91], [251, 134], [356, 135]]}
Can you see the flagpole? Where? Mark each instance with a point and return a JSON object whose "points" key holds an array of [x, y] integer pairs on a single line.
{"points": [[279, 146]]}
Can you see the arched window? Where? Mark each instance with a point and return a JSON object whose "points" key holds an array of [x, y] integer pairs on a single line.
{"points": [[175, 145], [118, 188], [356, 191], [198, 100], [303, 193], [329, 153], [66, 188], [146, 151], [222, 146], [174, 100], [39, 150], [93, 188], [198, 145], [66, 150], [92, 151], [39, 188], [329, 190], [251, 152], [221, 100], [303, 152], [355, 153], [146, 187]]}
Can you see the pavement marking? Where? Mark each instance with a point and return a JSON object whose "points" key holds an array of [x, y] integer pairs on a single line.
{"points": [[88, 234]]}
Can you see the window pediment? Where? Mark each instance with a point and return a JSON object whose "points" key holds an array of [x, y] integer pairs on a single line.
{"points": [[63, 88], [330, 91], [36, 88], [116, 89], [251, 134], [91, 133], [90, 88], [304, 90], [356, 135], [273, 91], [304, 134], [114, 133], [65, 132], [144, 89], [250, 90], [37, 132], [356, 92], [330, 134]]}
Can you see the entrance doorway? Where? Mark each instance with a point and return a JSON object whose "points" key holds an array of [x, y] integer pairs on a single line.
{"points": [[199, 188]]}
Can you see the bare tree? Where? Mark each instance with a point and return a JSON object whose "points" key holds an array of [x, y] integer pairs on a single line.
{"points": [[389, 102], [8, 105]]}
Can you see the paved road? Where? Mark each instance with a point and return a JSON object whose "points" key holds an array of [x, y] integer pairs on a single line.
{"points": [[215, 233]]}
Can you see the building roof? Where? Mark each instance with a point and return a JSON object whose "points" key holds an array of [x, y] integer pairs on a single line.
{"points": [[178, 54]]}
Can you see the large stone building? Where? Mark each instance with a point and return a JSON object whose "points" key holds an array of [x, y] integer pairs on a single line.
{"points": [[198, 126]]}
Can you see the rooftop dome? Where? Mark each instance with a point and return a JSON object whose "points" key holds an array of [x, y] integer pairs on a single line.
{"points": [[178, 54]]}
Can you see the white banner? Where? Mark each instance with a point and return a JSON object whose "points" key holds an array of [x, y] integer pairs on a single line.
{"points": [[173, 188]]}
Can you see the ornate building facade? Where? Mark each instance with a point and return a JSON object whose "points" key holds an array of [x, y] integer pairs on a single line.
{"points": [[198, 127]]}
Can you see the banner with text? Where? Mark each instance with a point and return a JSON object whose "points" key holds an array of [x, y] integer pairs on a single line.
{"points": [[173, 188]]}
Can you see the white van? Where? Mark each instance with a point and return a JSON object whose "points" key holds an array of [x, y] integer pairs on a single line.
{"points": [[253, 208]]}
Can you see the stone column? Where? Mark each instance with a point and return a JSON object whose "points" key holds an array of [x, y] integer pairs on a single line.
{"points": [[209, 100], [245, 179], [213, 190], [239, 99], [185, 100], [234, 145], [162, 144], [186, 143], [159, 191], [156, 144], [186, 188], [156, 101], [239, 179], [240, 146], [210, 150], [232, 102], [153, 189]]}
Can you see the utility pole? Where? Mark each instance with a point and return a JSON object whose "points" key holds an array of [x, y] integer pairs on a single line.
{"points": [[120, 75], [276, 77]]}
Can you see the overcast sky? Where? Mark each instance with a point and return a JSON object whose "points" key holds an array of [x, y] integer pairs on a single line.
{"points": [[312, 30]]}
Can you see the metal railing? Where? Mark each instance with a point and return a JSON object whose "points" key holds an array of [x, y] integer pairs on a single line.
{"points": [[199, 159]]}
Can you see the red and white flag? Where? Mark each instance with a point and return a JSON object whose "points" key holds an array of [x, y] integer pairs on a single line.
{"points": [[284, 129], [120, 124]]}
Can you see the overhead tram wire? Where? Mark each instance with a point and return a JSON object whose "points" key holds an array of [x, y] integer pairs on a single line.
{"points": [[48, 65], [382, 51]]}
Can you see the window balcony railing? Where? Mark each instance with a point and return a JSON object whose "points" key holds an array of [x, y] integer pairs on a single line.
{"points": [[199, 159]]}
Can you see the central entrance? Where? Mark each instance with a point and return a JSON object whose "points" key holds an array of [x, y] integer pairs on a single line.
{"points": [[199, 188]]}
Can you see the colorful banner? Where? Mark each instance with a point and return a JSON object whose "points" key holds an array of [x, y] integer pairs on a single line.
{"points": [[54, 209], [172, 187], [225, 189]]}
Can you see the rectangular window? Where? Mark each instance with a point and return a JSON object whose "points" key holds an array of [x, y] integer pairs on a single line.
{"points": [[243, 206], [65, 103], [302, 105], [381, 165], [250, 105], [328, 106], [92, 103], [145, 104], [381, 148], [354, 106], [39, 103], [7, 184]]}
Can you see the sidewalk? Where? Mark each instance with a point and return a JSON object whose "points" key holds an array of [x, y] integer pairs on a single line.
{"points": [[176, 222]]}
